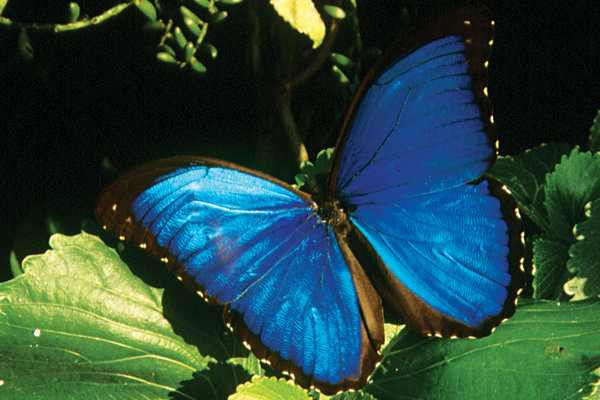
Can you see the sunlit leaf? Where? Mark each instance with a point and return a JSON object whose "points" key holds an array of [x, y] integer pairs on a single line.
{"points": [[303, 17]]}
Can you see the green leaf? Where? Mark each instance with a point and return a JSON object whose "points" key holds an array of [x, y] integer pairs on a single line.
{"points": [[574, 183], [179, 37], [360, 395], [78, 324], [209, 50], [2, 5], [163, 48], [153, 26], [322, 161], [203, 3], [525, 177], [341, 60], [147, 9], [585, 253], [189, 51], [339, 75], [390, 332], [166, 57], [187, 13], [334, 11], [263, 388], [320, 167], [24, 46], [550, 262], [303, 17], [594, 142], [546, 351], [197, 66], [192, 26], [218, 17], [73, 11]]}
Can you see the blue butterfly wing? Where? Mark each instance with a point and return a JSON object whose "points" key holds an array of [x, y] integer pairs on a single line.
{"points": [[448, 247], [246, 240]]}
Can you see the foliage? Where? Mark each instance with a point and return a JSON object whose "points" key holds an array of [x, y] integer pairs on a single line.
{"points": [[555, 189], [85, 321], [78, 321], [533, 355]]}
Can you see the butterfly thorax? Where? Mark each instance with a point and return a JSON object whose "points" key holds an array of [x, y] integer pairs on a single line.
{"points": [[332, 213]]}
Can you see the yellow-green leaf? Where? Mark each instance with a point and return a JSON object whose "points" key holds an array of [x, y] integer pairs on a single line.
{"points": [[269, 388], [2, 5], [303, 17]]}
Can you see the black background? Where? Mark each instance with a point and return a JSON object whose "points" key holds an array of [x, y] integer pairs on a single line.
{"points": [[100, 93]]}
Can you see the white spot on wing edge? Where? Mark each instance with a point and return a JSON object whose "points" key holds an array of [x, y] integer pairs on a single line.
{"points": [[521, 267], [517, 212]]}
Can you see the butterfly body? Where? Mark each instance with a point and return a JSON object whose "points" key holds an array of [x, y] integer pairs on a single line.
{"points": [[406, 219]]}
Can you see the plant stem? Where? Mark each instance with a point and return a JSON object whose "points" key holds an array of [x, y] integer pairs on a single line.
{"points": [[72, 26]]}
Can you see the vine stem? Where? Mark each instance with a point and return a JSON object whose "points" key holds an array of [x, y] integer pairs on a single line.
{"points": [[71, 26], [317, 63], [291, 128], [287, 117]]}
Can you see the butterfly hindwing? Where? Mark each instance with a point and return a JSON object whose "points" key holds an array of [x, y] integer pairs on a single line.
{"points": [[253, 243], [405, 171]]}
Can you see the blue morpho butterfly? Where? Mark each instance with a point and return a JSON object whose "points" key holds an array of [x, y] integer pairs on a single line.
{"points": [[406, 219]]}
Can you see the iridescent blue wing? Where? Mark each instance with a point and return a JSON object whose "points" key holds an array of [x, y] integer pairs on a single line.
{"points": [[406, 172], [246, 240]]}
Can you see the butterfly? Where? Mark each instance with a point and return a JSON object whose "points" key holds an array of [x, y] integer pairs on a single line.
{"points": [[407, 219]]}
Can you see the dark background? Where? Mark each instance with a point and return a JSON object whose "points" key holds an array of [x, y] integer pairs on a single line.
{"points": [[99, 93]]}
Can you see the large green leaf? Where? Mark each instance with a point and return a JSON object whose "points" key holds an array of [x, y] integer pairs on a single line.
{"points": [[574, 182], [78, 324], [525, 176], [546, 351], [585, 253]]}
